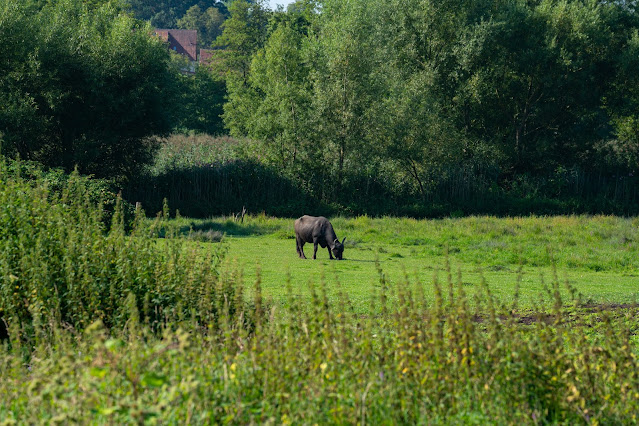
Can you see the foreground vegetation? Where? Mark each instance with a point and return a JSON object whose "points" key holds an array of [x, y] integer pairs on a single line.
{"points": [[67, 260], [110, 326], [416, 362]]}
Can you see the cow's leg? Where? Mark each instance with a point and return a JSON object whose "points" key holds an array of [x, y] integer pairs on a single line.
{"points": [[300, 248], [330, 254], [315, 250]]}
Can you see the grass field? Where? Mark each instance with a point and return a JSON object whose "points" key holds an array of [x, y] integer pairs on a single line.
{"points": [[118, 326], [598, 256]]}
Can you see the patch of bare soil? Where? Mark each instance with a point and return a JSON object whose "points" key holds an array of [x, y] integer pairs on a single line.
{"points": [[575, 315]]}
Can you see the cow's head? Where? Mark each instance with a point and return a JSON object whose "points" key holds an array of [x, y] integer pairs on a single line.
{"points": [[338, 248]]}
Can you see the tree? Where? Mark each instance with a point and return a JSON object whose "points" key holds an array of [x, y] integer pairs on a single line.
{"points": [[622, 151], [244, 33], [166, 13], [85, 88], [280, 74], [208, 24], [346, 87], [201, 101], [525, 79], [19, 109], [415, 134], [417, 87]]}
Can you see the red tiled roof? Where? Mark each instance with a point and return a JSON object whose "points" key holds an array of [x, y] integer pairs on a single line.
{"points": [[183, 42]]}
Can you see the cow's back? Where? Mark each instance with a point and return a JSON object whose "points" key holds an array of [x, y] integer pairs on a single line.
{"points": [[308, 226]]}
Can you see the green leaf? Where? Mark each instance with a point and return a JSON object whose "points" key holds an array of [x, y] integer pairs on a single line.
{"points": [[98, 372], [153, 380], [113, 344], [107, 411]]}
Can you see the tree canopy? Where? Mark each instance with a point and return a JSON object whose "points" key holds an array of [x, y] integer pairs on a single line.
{"points": [[167, 13], [414, 87], [82, 85]]}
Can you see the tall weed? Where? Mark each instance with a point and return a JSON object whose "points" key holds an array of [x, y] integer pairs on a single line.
{"points": [[317, 361], [61, 266]]}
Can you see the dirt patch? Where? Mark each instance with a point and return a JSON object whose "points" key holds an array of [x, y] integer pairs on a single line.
{"points": [[574, 315]]}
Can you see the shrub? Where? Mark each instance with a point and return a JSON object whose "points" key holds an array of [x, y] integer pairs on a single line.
{"points": [[99, 191], [60, 265]]}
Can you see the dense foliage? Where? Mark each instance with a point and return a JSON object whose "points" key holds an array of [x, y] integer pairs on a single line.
{"points": [[60, 264], [200, 99], [415, 364], [168, 13], [81, 85], [410, 93]]}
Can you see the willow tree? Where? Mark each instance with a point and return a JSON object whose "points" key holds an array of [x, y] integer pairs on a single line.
{"points": [[243, 34], [280, 74]]}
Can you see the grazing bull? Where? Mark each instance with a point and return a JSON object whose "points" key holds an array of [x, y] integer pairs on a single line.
{"points": [[317, 230]]}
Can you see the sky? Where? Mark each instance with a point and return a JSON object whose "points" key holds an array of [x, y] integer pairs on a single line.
{"points": [[273, 3]]}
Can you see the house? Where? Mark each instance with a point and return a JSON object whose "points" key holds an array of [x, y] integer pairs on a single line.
{"points": [[183, 42]]}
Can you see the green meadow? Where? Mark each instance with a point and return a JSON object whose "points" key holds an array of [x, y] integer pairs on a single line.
{"points": [[111, 319], [595, 257]]}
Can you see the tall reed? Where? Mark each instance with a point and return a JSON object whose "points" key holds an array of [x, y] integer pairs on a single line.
{"points": [[205, 176]]}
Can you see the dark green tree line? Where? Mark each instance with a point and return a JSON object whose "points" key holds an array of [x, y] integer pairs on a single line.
{"points": [[409, 89], [167, 13], [82, 85]]}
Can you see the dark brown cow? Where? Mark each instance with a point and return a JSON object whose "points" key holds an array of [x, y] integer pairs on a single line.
{"points": [[317, 230]]}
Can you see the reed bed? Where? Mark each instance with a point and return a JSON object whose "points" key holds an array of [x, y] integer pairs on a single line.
{"points": [[204, 176]]}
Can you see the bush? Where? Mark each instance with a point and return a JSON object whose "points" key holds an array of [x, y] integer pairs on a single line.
{"points": [[99, 191], [60, 265]]}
